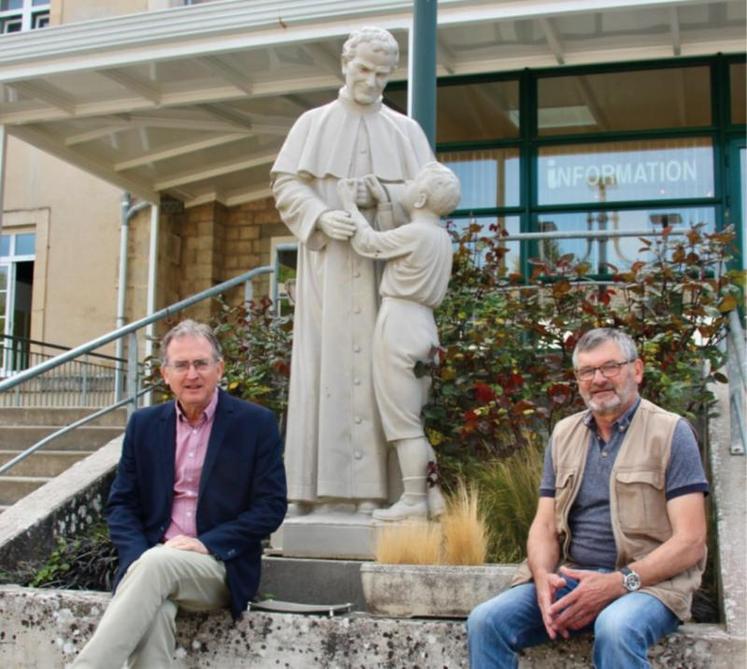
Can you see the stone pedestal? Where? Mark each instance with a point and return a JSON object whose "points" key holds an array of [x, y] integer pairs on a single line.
{"points": [[333, 534]]}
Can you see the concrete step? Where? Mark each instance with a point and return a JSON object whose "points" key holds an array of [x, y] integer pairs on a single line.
{"points": [[20, 437], [43, 462], [12, 488], [58, 416]]}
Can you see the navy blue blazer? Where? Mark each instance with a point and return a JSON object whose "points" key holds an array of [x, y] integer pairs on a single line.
{"points": [[242, 497]]}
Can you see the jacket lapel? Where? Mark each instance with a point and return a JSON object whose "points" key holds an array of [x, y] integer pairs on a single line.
{"points": [[217, 434], [166, 443]]}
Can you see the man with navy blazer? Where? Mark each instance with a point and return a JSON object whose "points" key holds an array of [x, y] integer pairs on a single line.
{"points": [[200, 483]]}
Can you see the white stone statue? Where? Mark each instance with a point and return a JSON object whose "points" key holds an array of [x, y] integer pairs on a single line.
{"points": [[335, 449], [414, 283]]}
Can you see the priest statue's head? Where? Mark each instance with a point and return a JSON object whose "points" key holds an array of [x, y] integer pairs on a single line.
{"points": [[369, 57]]}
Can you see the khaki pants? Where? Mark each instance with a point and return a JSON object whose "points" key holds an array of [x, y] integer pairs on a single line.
{"points": [[138, 626]]}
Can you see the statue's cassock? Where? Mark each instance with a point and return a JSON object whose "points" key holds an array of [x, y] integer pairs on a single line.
{"points": [[334, 446]]}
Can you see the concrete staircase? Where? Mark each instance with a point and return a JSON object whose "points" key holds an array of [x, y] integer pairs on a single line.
{"points": [[23, 427]]}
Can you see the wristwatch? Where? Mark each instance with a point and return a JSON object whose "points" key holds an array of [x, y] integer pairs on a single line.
{"points": [[631, 580]]}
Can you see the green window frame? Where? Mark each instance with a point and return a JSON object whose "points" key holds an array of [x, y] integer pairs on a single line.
{"points": [[720, 134]]}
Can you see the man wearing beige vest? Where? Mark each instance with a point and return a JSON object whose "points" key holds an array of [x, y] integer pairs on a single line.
{"points": [[618, 544]]}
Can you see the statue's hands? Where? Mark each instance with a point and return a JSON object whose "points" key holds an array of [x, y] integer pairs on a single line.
{"points": [[363, 196], [347, 190], [374, 187], [336, 225]]}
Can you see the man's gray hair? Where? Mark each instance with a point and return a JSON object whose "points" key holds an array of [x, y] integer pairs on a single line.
{"points": [[594, 338], [442, 187], [378, 38], [190, 328]]}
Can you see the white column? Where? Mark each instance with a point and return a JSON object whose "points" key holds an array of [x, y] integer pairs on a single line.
{"points": [[150, 330], [3, 147]]}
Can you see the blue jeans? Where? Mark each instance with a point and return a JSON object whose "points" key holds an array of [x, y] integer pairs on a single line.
{"points": [[623, 631]]}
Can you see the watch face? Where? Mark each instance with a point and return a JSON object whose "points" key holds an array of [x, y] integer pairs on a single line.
{"points": [[632, 581]]}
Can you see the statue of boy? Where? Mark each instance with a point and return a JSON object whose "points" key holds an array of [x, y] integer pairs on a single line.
{"points": [[334, 447], [415, 280]]}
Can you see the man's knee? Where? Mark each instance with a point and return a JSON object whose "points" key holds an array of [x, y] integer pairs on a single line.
{"points": [[154, 561], [485, 618], [613, 625]]}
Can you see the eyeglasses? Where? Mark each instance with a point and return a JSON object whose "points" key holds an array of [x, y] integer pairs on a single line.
{"points": [[182, 366], [609, 370]]}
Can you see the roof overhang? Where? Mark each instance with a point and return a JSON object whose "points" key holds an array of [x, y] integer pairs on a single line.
{"points": [[195, 101]]}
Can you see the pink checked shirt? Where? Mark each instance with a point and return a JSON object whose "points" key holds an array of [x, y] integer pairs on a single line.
{"points": [[191, 447]]}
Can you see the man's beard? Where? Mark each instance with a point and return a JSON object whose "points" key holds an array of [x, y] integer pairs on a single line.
{"points": [[622, 396], [607, 405]]}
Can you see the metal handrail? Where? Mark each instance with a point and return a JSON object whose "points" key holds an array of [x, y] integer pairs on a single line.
{"points": [[737, 387], [133, 393], [92, 345], [588, 234], [58, 347]]}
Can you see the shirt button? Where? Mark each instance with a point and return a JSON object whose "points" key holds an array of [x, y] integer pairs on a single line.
{"points": [[357, 349], [356, 275], [357, 382], [358, 455], [358, 420], [356, 310]]}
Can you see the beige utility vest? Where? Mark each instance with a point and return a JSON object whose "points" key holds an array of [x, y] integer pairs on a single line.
{"points": [[638, 504]]}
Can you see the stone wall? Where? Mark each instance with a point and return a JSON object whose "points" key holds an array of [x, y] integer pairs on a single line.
{"points": [[47, 628], [249, 232], [200, 247]]}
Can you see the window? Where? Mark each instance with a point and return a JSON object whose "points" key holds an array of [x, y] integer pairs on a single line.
{"points": [[17, 15], [16, 286], [619, 252], [614, 148], [672, 97], [661, 169], [489, 178], [284, 260], [737, 74]]}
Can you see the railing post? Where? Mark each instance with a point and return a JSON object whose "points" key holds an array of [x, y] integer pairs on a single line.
{"points": [[132, 380], [84, 383]]}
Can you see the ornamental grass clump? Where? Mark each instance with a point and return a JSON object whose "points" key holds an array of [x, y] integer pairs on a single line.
{"points": [[460, 538], [509, 488], [465, 535], [413, 542]]}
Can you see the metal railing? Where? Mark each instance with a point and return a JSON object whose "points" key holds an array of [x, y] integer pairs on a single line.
{"points": [[85, 382], [134, 367], [736, 368]]}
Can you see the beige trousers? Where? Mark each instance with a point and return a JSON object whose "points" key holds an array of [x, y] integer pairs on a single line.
{"points": [[138, 628]]}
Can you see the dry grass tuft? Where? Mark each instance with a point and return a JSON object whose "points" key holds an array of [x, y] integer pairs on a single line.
{"points": [[414, 542], [464, 531]]}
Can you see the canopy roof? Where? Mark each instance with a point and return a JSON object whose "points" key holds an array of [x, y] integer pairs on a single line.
{"points": [[195, 101]]}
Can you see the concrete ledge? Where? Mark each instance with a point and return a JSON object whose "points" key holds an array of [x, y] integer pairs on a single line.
{"points": [[62, 507], [42, 629]]}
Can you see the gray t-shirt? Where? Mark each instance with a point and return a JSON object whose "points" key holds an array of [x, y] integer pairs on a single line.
{"points": [[592, 541]]}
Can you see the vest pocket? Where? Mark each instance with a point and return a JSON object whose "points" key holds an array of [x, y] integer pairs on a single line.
{"points": [[563, 490], [641, 503]]}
